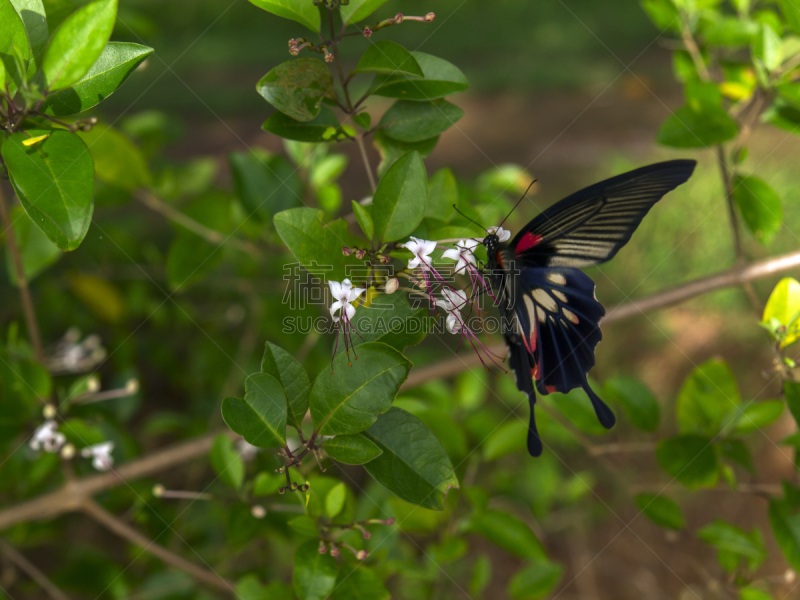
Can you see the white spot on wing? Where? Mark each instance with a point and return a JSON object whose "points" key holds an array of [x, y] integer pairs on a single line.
{"points": [[556, 278], [545, 299]]}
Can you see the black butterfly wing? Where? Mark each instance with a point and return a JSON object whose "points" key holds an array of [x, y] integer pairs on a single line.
{"points": [[554, 330], [590, 226]]}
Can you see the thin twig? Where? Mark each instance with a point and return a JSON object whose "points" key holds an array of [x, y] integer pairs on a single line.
{"points": [[736, 276], [22, 280], [122, 529], [365, 159], [211, 235], [32, 571]]}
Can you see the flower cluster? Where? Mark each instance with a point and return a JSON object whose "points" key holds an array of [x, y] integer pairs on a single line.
{"points": [[429, 282], [47, 438]]}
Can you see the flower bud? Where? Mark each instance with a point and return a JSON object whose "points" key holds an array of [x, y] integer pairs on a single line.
{"points": [[334, 552], [398, 18], [430, 17], [67, 451], [258, 511], [347, 251], [383, 258], [281, 490], [366, 534], [789, 576], [392, 285], [389, 521], [158, 490], [360, 253], [132, 386], [361, 554], [367, 32], [49, 411], [93, 384], [294, 51], [322, 548], [328, 57]]}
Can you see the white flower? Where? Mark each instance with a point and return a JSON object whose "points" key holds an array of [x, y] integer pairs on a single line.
{"points": [[100, 455], [452, 302], [344, 293], [463, 254], [47, 438], [502, 234], [421, 249]]}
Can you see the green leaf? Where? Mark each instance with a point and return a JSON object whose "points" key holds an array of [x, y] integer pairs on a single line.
{"points": [[292, 376], [751, 593], [327, 170], [81, 434], [358, 10], [760, 207], [388, 58], [392, 150], [441, 78], [639, 403], [577, 408], [729, 31], [305, 526], [791, 14], [400, 200], [351, 449], [297, 87], [261, 417], [726, 537], [442, 195], [766, 47], [414, 465], [115, 64], [302, 11], [754, 415], [409, 121], [311, 242], [322, 128], [54, 180], [77, 43], [349, 399], [314, 575], [334, 500], [707, 396], [101, 297], [662, 511], [14, 45], [392, 320], [33, 18], [535, 581], [226, 462], [37, 252], [689, 128], [690, 459], [359, 583], [481, 575], [190, 257], [508, 532], [783, 306], [266, 185], [663, 13], [116, 160], [792, 392], [364, 218], [785, 521], [508, 438]]}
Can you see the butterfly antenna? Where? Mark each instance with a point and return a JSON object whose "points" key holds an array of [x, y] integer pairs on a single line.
{"points": [[468, 219], [518, 201]]}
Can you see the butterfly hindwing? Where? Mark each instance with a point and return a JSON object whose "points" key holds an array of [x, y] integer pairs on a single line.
{"points": [[557, 315], [590, 226]]}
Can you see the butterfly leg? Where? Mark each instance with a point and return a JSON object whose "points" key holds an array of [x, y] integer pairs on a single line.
{"points": [[601, 409]]}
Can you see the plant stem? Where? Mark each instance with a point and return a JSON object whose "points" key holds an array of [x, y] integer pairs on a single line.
{"points": [[365, 159], [123, 530], [32, 571], [211, 235], [22, 281]]}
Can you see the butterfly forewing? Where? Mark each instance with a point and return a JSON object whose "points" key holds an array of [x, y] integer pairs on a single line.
{"points": [[590, 226]]}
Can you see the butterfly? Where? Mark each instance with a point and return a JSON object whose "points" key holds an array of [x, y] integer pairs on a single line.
{"points": [[550, 312]]}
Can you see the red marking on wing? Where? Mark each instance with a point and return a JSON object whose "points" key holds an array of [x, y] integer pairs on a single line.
{"points": [[500, 259], [535, 372], [550, 388], [529, 240]]}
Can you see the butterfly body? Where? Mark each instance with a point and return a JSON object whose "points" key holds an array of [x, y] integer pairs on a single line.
{"points": [[550, 315]]}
